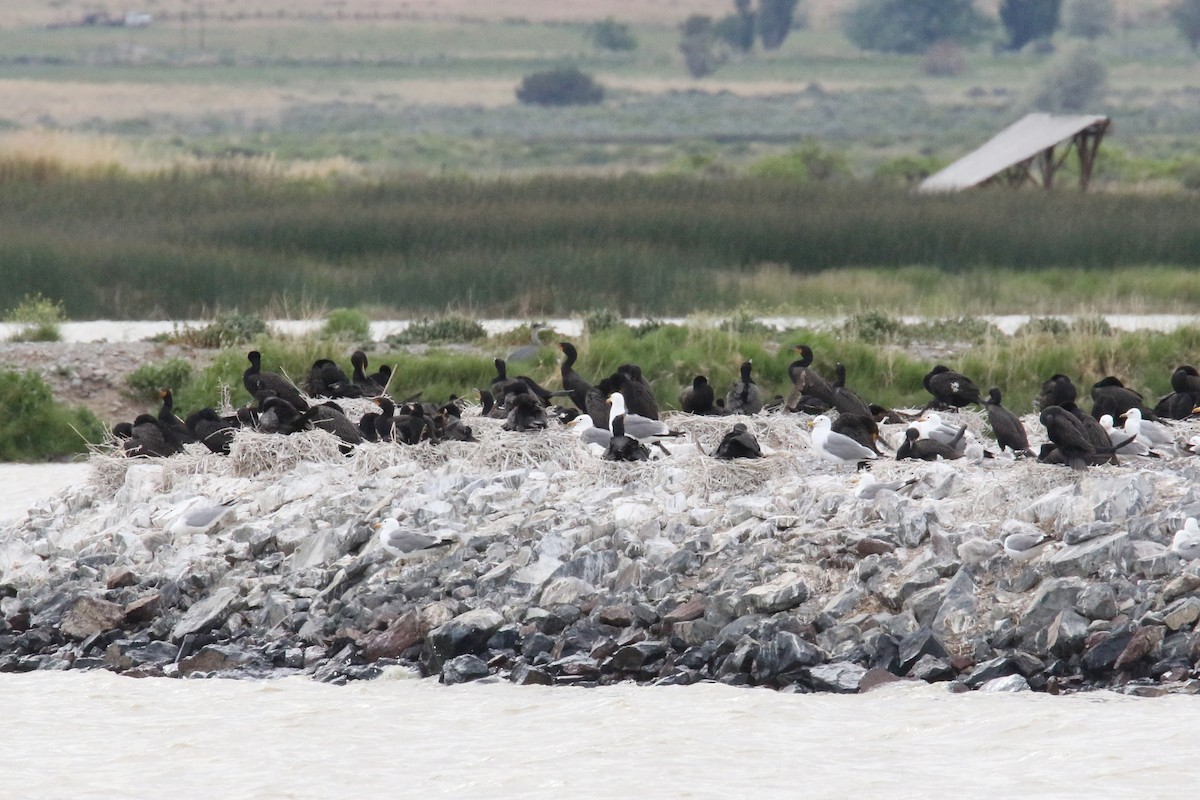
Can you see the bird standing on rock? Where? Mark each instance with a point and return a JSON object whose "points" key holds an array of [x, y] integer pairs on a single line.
{"points": [[950, 388], [1006, 426], [744, 397], [837, 447]]}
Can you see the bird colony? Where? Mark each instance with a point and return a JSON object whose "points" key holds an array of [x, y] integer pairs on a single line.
{"points": [[813, 542]]}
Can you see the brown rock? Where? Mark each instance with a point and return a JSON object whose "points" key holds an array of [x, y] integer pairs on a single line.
{"points": [[691, 610], [875, 677], [870, 546], [403, 633], [1185, 584], [121, 576], [143, 609], [617, 616], [1144, 640], [88, 616]]}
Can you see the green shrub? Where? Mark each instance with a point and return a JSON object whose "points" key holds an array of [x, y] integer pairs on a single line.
{"points": [[172, 373], [347, 325], [35, 427], [227, 330], [608, 34], [1044, 326], [450, 328], [875, 327], [746, 323], [810, 162], [604, 319], [40, 319], [566, 86]]}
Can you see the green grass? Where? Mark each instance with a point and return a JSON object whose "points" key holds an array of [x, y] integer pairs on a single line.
{"points": [[179, 246]]}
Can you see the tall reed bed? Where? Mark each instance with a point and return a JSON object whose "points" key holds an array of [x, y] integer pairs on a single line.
{"points": [[175, 243]]}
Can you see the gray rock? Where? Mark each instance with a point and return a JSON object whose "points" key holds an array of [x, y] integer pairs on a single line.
{"points": [[208, 613], [921, 643], [784, 592], [1009, 683], [999, 667], [931, 669], [1097, 601], [463, 669], [1052, 597], [842, 677], [565, 591], [1089, 556], [1101, 656], [219, 658], [1065, 636], [634, 657], [527, 675], [465, 634]]}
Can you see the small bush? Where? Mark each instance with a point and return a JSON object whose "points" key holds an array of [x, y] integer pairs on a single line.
{"points": [[698, 44], [1044, 326], [809, 162], [444, 329], [566, 86], [145, 381], [347, 325], [226, 330], [35, 427], [906, 171], [746, 323], [604, 319], [40, 319], [647, 327], [875, 327], [1073, 84], [608, 34], [956, 329]]}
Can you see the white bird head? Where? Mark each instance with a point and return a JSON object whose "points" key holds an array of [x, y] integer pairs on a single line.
{"points": [[581, 423], [617, 401]]}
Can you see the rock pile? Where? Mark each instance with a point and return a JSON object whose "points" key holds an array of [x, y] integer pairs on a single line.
{"points": [[782, 572]]}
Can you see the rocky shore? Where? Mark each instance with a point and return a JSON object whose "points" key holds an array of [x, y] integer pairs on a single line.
{"points": [[564, 569]]}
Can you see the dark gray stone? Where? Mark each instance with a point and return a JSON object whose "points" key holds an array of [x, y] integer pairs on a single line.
{"points": [[219, 658], [636, 656], [931, 669], [1097, 601], [465, 634], [916, 645], [841, 677], [463, 669], [527, 675], [1102, 654], [998, 667]]}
